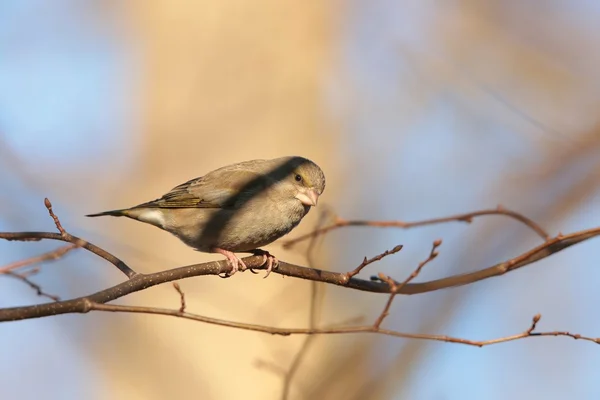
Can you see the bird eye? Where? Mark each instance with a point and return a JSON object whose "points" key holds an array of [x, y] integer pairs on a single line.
{"points": [[298, 178]]}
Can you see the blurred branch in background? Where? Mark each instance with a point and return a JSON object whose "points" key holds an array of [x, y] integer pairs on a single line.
{"points": [[313, 313], [51, 255], [24, 274]]}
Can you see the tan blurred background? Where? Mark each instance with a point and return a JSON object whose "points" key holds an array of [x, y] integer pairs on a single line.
{"points": [[412, 109]]}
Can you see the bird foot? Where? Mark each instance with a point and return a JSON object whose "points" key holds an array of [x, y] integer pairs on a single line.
{"points": [[236, 263], [268, 259]]}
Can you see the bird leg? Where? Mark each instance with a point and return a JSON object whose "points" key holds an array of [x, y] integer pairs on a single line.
{"points": [[236, 263], [268, 259]]}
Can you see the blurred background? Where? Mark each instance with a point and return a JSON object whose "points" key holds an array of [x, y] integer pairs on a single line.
{"points": [[414, 109]]}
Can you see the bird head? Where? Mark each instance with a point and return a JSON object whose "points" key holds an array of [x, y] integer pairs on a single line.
{"points": [[303, 179]]}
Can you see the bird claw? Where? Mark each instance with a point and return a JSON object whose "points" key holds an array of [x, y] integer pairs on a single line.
{"points": [[237, 264], [268, 259]]}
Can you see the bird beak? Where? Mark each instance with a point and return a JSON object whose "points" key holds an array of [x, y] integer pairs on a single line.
{"points": [[308, 198]]}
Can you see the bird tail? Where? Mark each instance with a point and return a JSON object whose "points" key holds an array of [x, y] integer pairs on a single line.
{"points": [[112, 213]]}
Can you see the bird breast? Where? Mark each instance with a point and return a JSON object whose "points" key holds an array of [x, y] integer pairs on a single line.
{"points": [[262, 223], [252, 225]]}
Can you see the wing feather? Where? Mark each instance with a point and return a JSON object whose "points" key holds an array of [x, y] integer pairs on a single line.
{"points": [[219, 189]]}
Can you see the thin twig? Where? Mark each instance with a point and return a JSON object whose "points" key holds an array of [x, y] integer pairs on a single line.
{"points": [[48, 205], [467, 217], [366, 261], [51, 255], [395, 288], [91, 306], [37, 236], [67, 237], [24, 277], [181, 296], [30, 272]]}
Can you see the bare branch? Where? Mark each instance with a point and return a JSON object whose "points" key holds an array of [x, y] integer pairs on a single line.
{"points": [[24, 277], [67, 237], [137, 282], [140, 281], [48, 205], [366, 262], [529, 332], [467, 217], [181, 296], [395, 288], [51, 255]]}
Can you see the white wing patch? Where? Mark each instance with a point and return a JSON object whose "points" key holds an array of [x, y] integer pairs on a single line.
{"points": [[154, 217]]}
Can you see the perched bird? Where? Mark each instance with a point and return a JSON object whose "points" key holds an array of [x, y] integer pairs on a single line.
{"points": [[236, 208]]}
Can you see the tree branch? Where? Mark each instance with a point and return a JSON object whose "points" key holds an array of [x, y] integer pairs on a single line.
{"points": [[24, 277], [529, 332], [395, 288], [138, 281], [142, 281], [369, 261], [467, 217], [51, 255]]}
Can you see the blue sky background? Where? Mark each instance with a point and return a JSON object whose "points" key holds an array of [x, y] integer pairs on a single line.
{"points": [[442, 108]]}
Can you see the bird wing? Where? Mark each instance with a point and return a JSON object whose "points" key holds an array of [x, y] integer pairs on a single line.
{"points": [[219, 189]]}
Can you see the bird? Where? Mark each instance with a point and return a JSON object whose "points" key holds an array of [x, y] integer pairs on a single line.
{"points": [[236, 208]]}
